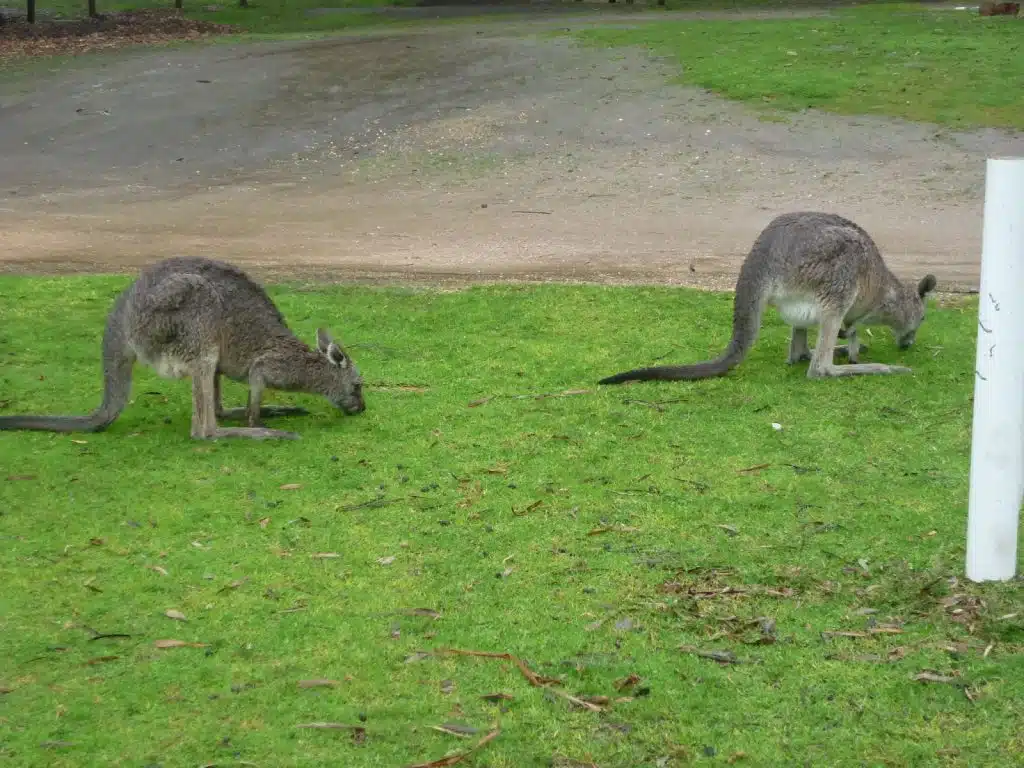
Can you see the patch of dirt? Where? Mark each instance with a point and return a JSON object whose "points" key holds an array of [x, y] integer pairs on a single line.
{"points": [[477, 151]]}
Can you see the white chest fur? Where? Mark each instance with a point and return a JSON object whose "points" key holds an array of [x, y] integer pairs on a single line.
{"points": [[799, 311], [167, 367]]}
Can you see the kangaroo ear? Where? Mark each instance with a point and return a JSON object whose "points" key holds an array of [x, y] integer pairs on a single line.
{"points": [[336, 355], [926, 286], [323, 339]]}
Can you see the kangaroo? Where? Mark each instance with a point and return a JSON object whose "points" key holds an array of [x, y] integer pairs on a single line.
{"points": [[815, 269], [200, 318]]}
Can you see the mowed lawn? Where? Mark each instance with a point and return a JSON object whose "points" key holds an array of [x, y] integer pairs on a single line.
{"points": [[683, 582], [953, 68]]}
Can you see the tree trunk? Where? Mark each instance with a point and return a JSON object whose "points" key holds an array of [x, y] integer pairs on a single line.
{"points": [[92, 9], [30, 11]]}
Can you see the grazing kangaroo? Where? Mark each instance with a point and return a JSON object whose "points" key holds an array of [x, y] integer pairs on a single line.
{"points": [[816, 269], [201, 318]]}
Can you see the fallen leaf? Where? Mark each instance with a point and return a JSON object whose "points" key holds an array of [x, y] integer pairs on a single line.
{"points": [[234, 584], [735, 757], [290, 487], [840, 633], [386, 560], [578, 702], [447, 687], [722, 657], [318, 683], [497, 697], [626, 682], [897, 653], [80, 442], [456, 729], [158, 569], [611, 529], [264, 522], [176, 615], [932, 677], [325, 555], [732, 530], [475, 404], [417, 656], [528, 509], [178, 644], [457, 758], [538, 681], [21, 477], [102, 659], [755, 468]]}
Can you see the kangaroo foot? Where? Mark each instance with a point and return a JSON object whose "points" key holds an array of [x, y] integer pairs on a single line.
{"points": [[802, 357], [253, 433], [858, 369]]}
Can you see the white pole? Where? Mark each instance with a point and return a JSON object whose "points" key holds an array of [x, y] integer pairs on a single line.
{"points": [[997, 437]]}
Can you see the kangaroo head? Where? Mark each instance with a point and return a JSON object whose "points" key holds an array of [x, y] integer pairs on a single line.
{"points": [[344, 385], [905, 309]]}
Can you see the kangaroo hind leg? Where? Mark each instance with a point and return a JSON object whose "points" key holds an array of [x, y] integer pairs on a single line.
{"points": [[799, 352], [822, 364]]}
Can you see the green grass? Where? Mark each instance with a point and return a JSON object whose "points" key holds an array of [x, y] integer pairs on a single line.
{"points": [[951, 68], [493, 517]]}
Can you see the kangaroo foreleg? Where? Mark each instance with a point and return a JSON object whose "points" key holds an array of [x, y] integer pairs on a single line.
{"points": [[266, 411], [852, 349], [204, 410]]}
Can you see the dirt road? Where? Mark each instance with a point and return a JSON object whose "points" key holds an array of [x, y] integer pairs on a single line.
{"points": [[458, 152]]}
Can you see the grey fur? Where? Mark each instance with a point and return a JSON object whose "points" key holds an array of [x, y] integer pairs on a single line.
{"points": [[199, 318], [816, 269]]}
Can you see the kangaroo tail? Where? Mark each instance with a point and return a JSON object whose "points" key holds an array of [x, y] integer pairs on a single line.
{"points": [[746, 322], [117, 383]]}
